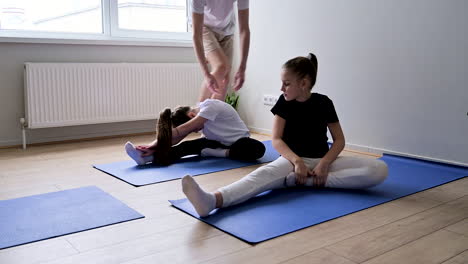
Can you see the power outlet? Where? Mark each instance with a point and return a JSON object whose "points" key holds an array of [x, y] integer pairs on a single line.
{"points": [[269, 100]]}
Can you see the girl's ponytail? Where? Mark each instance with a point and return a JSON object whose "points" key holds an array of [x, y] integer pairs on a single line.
{"points": [[314, 61], [164, 136], [303, 67]]}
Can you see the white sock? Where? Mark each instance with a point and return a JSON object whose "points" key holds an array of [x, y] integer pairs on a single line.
{"points": [[202, 201], [135, 154], [219, 152], [291, 180]]}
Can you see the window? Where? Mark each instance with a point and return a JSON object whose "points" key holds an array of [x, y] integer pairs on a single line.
{"points": [[156, 15], [95, 19], [51, 15]]}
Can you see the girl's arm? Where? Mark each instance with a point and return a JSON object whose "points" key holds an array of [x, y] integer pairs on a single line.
{"points": [[299, 167], [194, 125], [338, 142], [178, 133], [320, 172]]}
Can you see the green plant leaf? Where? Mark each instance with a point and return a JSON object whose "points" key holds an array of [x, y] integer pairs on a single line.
{"points": [[232, 99]]}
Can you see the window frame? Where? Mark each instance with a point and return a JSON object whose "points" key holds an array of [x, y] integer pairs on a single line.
{"points": [[111, 34]]}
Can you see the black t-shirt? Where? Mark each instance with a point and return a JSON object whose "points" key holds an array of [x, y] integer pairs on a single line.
{"points": [[305, 131]]}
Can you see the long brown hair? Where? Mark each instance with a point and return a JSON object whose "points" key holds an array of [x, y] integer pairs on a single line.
{"points": [[180, 115], [164, 137]]}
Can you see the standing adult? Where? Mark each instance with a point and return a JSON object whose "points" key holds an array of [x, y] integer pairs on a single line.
{"points": [[213, 24]]}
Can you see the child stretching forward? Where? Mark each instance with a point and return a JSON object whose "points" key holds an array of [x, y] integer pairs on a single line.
{"points": [[301, 119], [225, 135]]}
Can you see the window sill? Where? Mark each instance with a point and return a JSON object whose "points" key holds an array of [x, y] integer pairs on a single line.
{"points": [[99, 40]]}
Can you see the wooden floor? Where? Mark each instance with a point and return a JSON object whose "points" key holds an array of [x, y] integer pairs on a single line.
{"points": [[427, 227]]}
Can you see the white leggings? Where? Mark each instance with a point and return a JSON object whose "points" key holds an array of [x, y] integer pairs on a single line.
{"points": [[344, 172]]}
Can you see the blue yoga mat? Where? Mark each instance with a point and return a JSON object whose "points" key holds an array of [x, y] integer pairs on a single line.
{"points": [[43, 216], [135, 175], [278, 212]]}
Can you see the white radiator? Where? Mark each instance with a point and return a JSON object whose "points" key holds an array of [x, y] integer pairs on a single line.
{"points": [[67, 94]]}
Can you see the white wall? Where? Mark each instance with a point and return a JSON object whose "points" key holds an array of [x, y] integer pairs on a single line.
{"points": [[14, 55], [396, 70]]}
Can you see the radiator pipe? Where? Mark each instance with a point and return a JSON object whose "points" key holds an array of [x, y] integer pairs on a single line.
{"points": [[23, 130]]}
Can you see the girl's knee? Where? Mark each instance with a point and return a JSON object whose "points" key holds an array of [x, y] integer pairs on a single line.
{"points": [[373, 174], [258, 149], [247, 149], [380, 171]]}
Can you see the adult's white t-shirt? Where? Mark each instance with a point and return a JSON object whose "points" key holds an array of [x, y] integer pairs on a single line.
{"points": [[218, 14], [223, 122]]}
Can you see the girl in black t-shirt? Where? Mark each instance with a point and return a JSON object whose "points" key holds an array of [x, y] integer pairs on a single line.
{"points": [[300, 135]]}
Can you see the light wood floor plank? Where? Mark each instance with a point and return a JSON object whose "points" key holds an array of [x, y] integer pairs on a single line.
{"points": [[114, 234], [460, 227], [319, 256], [461, 258], [144, 246], [37, 252], [301, 242], [11, 193], [196, 252], [378, 241], [427, 250], [167, 235], [447, 192]]}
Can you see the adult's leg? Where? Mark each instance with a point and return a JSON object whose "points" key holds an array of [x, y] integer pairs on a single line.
{"points": [[247, 149], [220, 70], [227, 46], [219, 62], [349, 173]]}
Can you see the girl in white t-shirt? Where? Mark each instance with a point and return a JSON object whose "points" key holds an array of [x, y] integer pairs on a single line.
{"points": [[213, 23], [225, 135]]}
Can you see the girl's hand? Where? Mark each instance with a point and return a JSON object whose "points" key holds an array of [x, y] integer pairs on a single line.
{"points": [[319, 174], [301, 172], [145, 150]]}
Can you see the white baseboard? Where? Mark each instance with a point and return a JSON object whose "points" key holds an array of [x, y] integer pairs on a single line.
{"points": [[381, 151], [92, 135], [260, 130], [46, 139], [114, 132], [11, 142], [374, 150], [361, 148]]}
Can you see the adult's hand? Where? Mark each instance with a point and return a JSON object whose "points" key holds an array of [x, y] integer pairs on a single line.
{"points": [[212, 84], [239, 79]]}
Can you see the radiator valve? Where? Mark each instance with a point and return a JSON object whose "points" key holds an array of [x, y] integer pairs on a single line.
{"points": [[23, 122]]}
